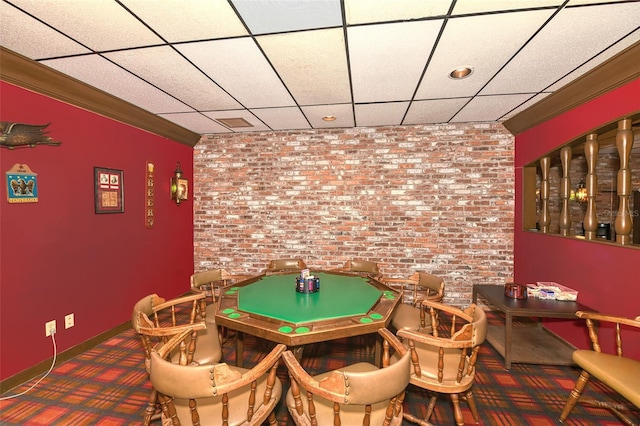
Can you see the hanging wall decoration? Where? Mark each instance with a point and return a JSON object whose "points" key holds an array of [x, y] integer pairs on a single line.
{"points": [[22, 184], [20, 135], [149, 207], [109, 190]]}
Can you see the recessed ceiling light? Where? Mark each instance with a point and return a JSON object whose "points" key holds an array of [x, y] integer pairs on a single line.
{"points": [[460, 73], [329, 118]]}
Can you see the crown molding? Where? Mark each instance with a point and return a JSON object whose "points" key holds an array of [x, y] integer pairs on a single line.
{"points": [[617, 71], [31, 75]]}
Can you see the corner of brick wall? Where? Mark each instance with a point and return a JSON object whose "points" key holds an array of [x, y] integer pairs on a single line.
{"points": [[435, 198]]}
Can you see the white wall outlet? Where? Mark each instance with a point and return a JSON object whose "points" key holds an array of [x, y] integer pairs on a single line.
{"points": [[69, 321], [49, 328]]}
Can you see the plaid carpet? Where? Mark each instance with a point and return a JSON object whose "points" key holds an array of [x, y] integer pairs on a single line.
{"points": [[108, 385]]}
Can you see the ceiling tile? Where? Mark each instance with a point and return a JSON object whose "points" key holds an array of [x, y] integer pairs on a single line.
{"points": [[597, 60], [466, 43], [475, 6], [282, 118], [366, 11], [24, 34], [312, 64], [343, 114], [197, 59], [537, 65], [196, 122], [92, 23], [382, 114], [166, 69], [525, 105], [104, 75], [179, 20], [487, 108], [434, 111], [387, 60], [239, 67], [264, 17]]}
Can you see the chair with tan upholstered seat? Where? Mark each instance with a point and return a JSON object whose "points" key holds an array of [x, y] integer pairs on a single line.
{"points": [[357, 394], [620, 373], [444, 362], [285, 266], [423, 286], [212, 280], [216, 394], [156, 321], [361, 267]]}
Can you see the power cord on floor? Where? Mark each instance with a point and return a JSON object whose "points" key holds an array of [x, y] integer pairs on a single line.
{"points": [[55, 355]]}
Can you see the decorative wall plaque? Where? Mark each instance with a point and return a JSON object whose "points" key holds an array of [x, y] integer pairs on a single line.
{"points": [[150, 192], [22, 185], [109, 190]]}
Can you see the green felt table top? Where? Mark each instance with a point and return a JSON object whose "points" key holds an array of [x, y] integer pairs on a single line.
{"points": [[340, 296]]}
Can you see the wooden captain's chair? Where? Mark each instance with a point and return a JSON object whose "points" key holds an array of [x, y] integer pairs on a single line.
{"points": [[424, 286], [620, 373], [156, 321], [285, 266], [361, 267], [211, 281], [216, 394], [358, 394], [444, 362]]}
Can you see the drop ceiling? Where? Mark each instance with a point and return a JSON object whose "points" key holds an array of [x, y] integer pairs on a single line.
{"points": [[218, 66]]}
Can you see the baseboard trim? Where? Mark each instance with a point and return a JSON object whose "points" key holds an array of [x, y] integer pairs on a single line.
{"points": [[41, 368]]}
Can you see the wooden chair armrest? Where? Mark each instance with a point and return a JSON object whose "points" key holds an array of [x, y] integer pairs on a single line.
{"points": [[393, 341], [227, 382], [172, 330], [184, 299], [304, 380], [171, 344], [426, 303], [439, 342], [385, 280], [632, 322]]}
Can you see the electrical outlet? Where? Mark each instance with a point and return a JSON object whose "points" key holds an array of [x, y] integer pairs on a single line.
{"points": [[49, 328], [69, 321]]}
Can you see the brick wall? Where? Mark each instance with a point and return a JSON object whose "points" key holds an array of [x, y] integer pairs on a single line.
{"points": [[434, 198]]}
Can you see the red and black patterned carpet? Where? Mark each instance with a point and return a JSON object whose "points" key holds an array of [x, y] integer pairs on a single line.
{"points": [[108, 385]]}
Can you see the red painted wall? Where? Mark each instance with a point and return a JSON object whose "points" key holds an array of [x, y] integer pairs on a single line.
{"points": [[57, 256], [607, 276]]}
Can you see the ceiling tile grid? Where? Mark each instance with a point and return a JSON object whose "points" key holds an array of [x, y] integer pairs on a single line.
{"points": [[221, 66]]}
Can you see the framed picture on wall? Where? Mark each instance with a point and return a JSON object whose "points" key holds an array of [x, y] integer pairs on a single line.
{"points": [[109, 190]]}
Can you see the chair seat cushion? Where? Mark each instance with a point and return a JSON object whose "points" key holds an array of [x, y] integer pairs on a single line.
{"points": [[620, 373], [407, 317], [210, 313], [210, 409], [349, 414]]}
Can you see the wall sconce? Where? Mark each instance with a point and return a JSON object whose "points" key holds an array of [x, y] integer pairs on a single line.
{"points": [[179, 186], [580, 194]]}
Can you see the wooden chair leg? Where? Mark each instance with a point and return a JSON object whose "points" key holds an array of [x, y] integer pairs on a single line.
{"points": [[457, 412], [151, 408], [413, 419], [472, 405], [574, 396]]}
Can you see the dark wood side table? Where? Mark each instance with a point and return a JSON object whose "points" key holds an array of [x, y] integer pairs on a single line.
{"points": [[528, 343]]}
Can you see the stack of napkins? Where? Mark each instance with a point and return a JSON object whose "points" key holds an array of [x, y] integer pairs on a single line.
{"points": [[551, 290]]}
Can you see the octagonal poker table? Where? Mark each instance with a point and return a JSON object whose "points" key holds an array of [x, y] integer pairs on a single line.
{"points": [[269, 307]]}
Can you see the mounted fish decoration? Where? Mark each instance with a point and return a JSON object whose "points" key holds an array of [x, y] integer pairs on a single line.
{"points": [[20, 135]]}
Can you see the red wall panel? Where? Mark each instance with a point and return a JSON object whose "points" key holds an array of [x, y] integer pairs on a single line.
{"points": [[58, 256], [606, 275]]}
